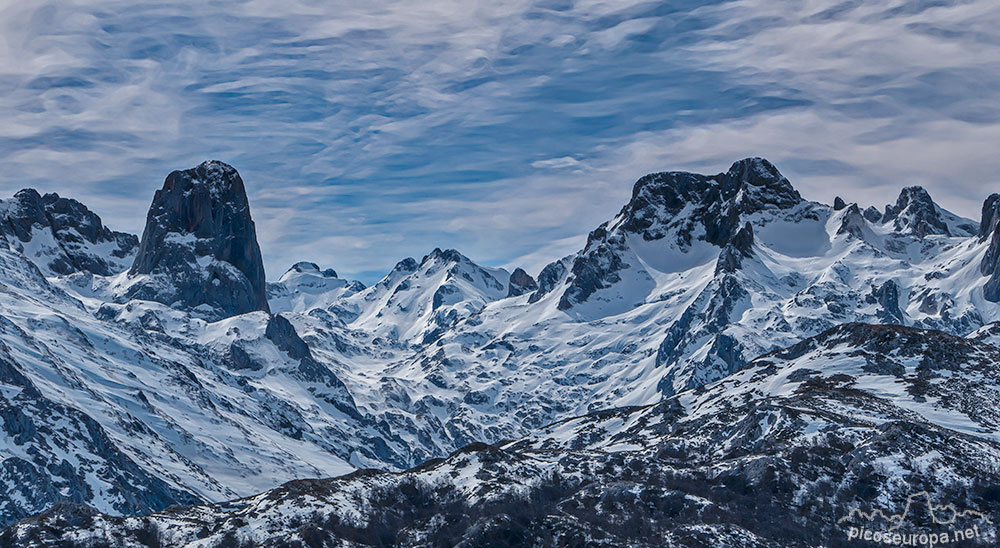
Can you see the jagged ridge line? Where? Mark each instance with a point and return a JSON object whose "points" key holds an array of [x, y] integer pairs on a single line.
{"points": [[899, 518]]}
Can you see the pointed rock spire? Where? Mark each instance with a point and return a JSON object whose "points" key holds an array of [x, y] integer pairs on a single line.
{"points": [[853, 222], [199, 249], [989, 229], [991, 217], [886, 296], [916, 213]]}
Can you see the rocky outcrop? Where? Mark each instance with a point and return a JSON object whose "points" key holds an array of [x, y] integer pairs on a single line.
{"points": [[520, 282], [715, 202], [740, 247], [991, 217], [548, 278], [872, 214], [886, 296], [839, 203], [281, 332], [303, 267], [62, 236], [199, 249], [916, 213], [989, 229], [853, 222]]}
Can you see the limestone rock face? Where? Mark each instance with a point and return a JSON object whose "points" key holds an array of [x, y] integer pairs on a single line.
{"points": [[199, 249]]}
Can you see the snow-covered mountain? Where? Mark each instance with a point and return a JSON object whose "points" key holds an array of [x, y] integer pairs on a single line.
{"points": [[693, 278], [183, 377], [858, 417], [304, 287], [417, 302], [61, 236]]}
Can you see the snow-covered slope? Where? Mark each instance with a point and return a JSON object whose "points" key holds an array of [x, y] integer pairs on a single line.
{"points": [[304, 287], [186, 417], [417, 302], [860, 417]]}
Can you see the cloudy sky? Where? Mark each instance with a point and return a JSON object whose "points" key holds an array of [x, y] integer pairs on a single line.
{"points": [[371, 131]]}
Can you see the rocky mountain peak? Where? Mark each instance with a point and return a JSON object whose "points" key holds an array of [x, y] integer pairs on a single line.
{"points": [[715, 202], [444, 256], [199, 249], [916, 213], [65, 235], [853, 221], [991, 217], [520, 283], [760, 184], [872, 214], [408, 264]]}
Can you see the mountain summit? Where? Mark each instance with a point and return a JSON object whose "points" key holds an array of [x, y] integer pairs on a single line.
{"points": [[199, 248], [61, 236]]}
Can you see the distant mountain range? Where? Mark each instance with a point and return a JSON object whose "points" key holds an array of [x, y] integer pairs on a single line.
{"points": [[720, 351]]}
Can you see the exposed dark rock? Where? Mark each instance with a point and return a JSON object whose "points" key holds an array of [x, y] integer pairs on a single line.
{"points": [[408, 264], [520, 282], [548, 278], [741, 246], [872, 214], [199, 248], [596, 270], [444, 256], [282, 333], [887, 297], [718, 201], [72, 227], [989, 229], [929, 304], [715, 206], [991, 217], [916, 213], [838, 203], [441, 295], [240, 359], [853, 222], [743, 240]]}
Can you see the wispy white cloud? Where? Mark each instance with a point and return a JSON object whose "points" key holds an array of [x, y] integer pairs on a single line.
{"points": [[371, 131]]}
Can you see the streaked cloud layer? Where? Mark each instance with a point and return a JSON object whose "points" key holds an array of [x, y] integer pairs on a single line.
{"points": [[372, 131]]}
